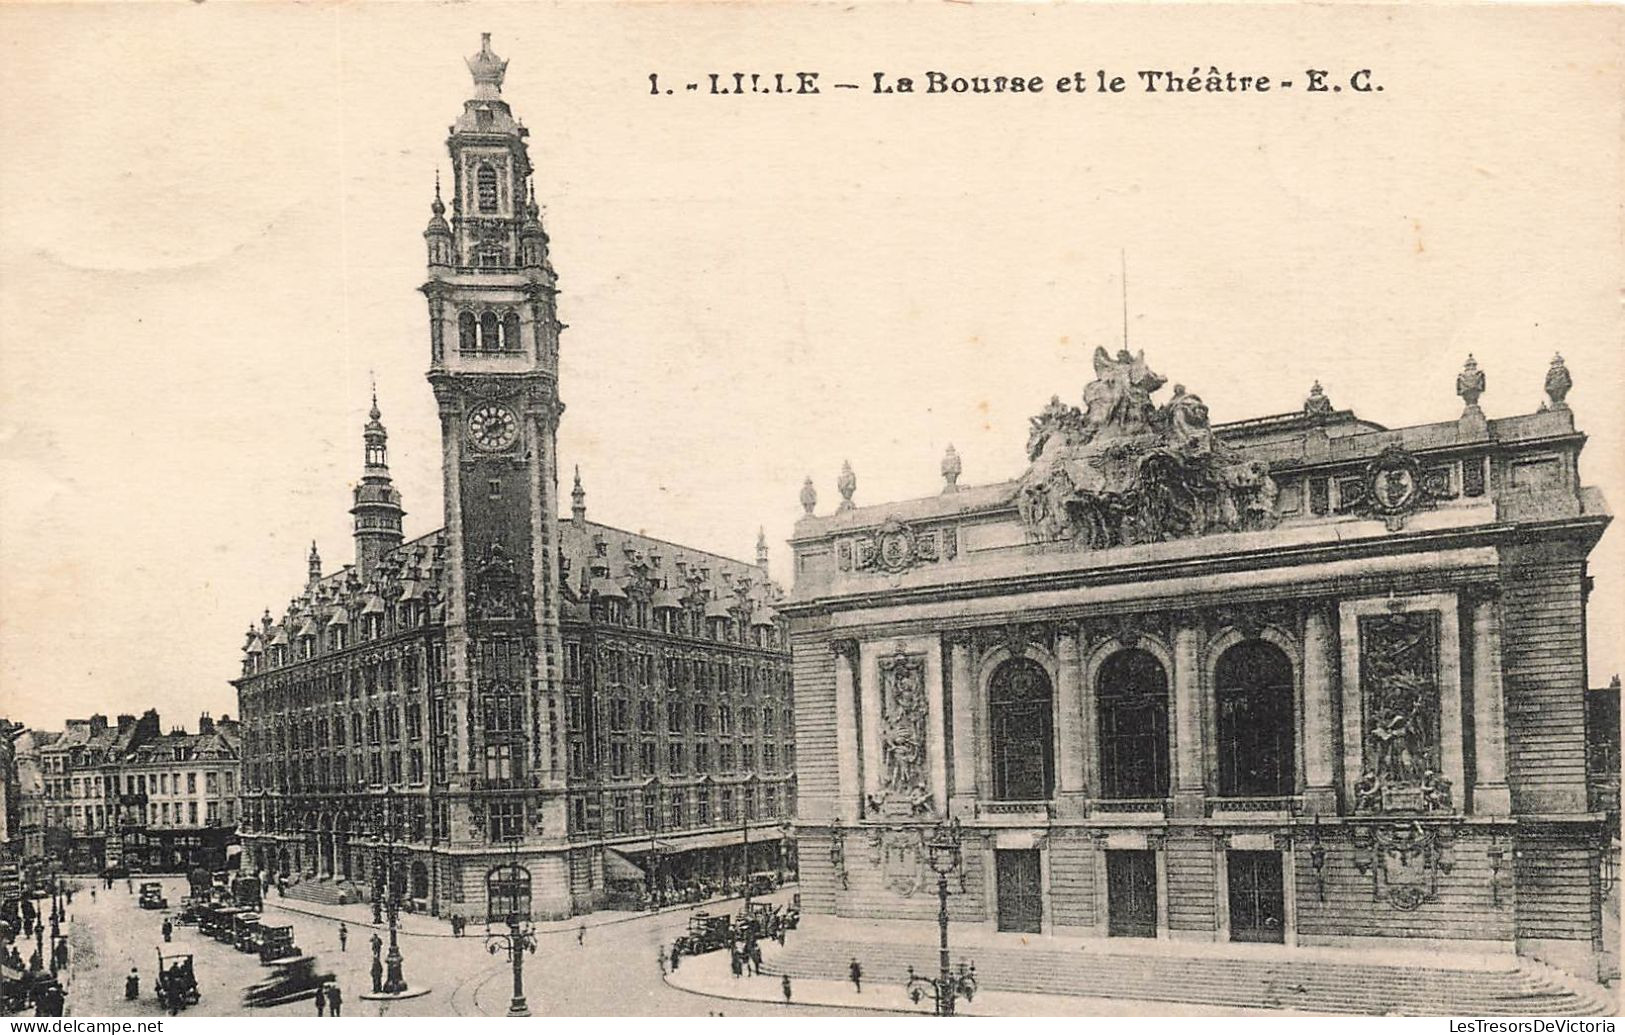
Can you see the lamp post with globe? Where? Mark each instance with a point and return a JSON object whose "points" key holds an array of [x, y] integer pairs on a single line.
{"points": [[952, 982], [507, 900]]}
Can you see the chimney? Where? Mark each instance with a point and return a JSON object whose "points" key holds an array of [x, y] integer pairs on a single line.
{"points": [[98, 725], [205, 724]]}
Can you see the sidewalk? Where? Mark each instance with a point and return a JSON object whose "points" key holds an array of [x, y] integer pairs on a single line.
{"points": [[358, 915], [710, 975]]}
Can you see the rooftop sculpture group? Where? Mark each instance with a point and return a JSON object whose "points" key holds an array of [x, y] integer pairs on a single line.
{"points": [[1124, 470]]}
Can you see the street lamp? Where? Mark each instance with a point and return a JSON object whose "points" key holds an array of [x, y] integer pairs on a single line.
{"points": [[506, 890], [394, 982], [951, 982]]}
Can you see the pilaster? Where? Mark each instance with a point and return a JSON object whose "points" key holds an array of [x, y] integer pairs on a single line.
{"points": [[1189, 781], [1321, 687], [1491, 797]]}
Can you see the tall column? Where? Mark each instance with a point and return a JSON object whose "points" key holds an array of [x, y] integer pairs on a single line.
{"points": [[849, 783], [1069, 783], [1491, 796], [963, 802], [1321, 745], [1190, 782]]}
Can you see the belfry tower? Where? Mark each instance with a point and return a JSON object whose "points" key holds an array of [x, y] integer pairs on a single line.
{"points": [[377, 510], [494, 338]]}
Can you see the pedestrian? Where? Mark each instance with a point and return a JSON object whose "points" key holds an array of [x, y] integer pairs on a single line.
{"points": [[733, 962], [334, 1000], [675, 957], [581, 935], [660, 957], [168, 929], [132, 985], [854, 970], [344, 936], [129, 885], [377, 974], [756, 958], [93, 894], [321, 1000], [784, 983], [376, 943]]}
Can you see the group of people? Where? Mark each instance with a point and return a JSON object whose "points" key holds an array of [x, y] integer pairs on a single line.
{"points": [[330, 999]]}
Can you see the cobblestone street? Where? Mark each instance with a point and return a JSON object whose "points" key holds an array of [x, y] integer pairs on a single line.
{"points": [[613, 972]]}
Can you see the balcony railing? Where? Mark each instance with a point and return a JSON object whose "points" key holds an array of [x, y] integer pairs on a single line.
{"points": [[1032, 809], [1152, 806], [1286, 803]]}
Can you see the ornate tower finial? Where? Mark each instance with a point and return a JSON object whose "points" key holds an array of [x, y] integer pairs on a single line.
{"points": [[1317, 406], [847, 483], [1470, 383], [437, 235], [377, 509], [761, 547], [1558, 383], [809, 495], [487, 70], [578, 500], [951, 468], [314, 564]]}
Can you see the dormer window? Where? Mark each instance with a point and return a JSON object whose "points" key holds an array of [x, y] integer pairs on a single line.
{"points": [[486, 182]]}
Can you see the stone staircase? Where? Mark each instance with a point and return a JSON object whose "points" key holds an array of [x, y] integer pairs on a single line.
{"points": [[1311, 985], [325, 892]]}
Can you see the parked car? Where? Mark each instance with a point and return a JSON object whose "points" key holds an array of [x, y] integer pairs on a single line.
{"points": [[152, 896]]}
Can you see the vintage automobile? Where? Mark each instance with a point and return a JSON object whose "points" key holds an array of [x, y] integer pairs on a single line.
{"points": [[245, 932], [276, 943], [291, 979], [225, 925], [152, 896], [176, 982], [706, 933]]}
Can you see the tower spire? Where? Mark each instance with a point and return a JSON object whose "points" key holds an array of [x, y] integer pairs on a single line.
{"points": [[578, 500], [377, 508]]}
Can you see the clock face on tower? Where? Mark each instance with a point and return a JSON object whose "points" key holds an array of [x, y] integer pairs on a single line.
{"points": [[492, 427]]}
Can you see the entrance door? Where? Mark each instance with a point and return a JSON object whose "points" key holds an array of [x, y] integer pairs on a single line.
{"points": [[1131, 894], [1021, 895], [1257, 905]]}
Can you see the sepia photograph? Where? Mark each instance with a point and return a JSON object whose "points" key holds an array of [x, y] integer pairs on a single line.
{"points": [[699, 509]]}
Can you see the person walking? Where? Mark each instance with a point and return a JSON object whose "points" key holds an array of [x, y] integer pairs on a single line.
{"points": [[377, 974], [784, 983], [335, 1001], [321, 999], [854, 970], [581, 935], [344, 936], [168, 929], [132, 985], [660, 957]]}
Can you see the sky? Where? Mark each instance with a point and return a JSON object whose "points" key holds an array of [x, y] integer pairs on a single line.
{"points": [[210, 243]]}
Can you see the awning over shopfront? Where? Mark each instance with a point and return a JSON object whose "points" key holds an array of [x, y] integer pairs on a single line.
{"points": [[619, 867]]}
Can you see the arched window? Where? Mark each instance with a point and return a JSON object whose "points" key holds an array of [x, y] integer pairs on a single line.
{"points": [[486, 182], [1253, 689], [1133, 703], [510, 331], [467, 331], [1021, 718], [490, 332]]}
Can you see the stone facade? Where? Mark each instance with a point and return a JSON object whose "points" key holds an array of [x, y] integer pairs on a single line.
{"points": [[612, 707], [1300, 678]]}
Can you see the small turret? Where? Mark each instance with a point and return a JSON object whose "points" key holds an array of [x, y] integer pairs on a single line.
{"points": [[578, 500], [377, 508], [437, 236], [761, 548], [314, 567]]}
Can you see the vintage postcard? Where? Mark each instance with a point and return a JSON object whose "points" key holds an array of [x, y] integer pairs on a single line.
{"points": [[796, 509]]}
